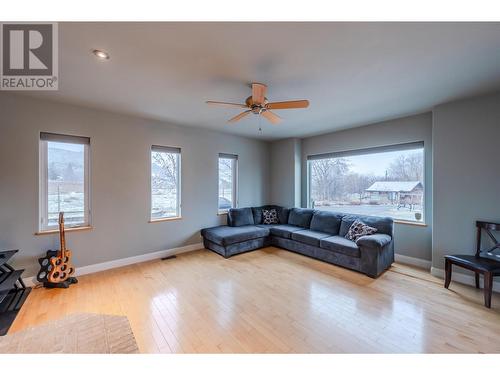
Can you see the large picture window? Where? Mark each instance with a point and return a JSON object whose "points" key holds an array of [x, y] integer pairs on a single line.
{"points": [[165, 182], [64, 180], [384, 181], [228, 172]]}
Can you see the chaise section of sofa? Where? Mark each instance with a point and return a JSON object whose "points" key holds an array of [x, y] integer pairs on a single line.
{"points": [[239, 236], [317, 234]]}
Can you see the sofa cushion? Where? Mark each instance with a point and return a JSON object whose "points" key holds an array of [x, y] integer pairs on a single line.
{"points": [[309, 237], [383, 224], [284, 230], [225, 235], [282, 213], [341, 245], [300, 217], [257, 214], [268, 226], [327, 222], [240, 216], [270, 216], [359, 229]]}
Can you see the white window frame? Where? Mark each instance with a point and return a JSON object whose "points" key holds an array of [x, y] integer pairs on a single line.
{"points": [[171, 150], [43, 179], [364, 151], [234, 166]]}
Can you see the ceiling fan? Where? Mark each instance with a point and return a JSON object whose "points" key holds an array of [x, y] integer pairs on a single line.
{"points": [[259, 105]]}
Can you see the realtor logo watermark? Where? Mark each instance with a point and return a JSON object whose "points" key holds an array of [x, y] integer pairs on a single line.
{"points": [[29, 56]]}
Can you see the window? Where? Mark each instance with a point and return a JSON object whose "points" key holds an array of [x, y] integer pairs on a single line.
{"points": [[64, 180], [384, 181], [228, 176], [165, 182]]}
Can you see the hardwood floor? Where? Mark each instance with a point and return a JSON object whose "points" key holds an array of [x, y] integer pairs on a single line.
{"points": [[275, 301]]}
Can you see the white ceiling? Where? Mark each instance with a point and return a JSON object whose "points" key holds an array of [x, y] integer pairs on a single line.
{"points": [[352, 73]]}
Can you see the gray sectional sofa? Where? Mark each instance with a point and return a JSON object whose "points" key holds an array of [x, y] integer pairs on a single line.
{"points": [[317, 234]]}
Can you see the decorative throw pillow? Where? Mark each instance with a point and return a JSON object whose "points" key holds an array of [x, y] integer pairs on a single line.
{"points": [[270, 216], [359, 229]]}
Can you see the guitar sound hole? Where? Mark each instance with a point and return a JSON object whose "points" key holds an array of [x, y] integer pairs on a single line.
{"points": [[71, 270], [66, 259], [63, 267], [42, 275], [58, 262], [63, 275], [56, 275], [45, 262], [49, 268]]}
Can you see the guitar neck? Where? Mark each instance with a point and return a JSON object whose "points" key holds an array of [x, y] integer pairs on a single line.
{"points": [[62, 240]]}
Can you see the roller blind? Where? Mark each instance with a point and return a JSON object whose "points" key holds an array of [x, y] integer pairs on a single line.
{"points": [[371, 150], [171, 150], [228, 156], [52, 137]]}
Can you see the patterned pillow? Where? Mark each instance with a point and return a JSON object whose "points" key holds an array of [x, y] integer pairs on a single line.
{"points": [[270, 216], [359, 229]]}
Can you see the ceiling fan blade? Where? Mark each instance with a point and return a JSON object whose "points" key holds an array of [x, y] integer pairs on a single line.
{"points": [[272, 117], [240, 116], [258, 93], [211, 102], [289, 104]]}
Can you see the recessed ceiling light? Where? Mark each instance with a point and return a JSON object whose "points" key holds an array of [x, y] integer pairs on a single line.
{"points": [[100, 54]]}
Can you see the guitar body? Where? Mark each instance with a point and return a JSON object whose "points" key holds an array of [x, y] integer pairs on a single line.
{"points": [[60, 268]]}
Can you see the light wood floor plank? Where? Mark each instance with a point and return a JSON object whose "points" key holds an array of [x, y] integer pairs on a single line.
{"points": [[275, 301]]}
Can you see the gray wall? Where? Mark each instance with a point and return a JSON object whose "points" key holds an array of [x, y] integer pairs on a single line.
{"points": [[466, 172], [120, 174], [410, 240], [285, 172], [461, 157]]}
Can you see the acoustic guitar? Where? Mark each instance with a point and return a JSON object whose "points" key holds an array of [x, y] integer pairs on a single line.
{"points": [[62, 268]]}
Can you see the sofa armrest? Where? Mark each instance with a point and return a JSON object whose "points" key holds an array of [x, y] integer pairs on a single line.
{"points": [[374, 240], [377, 253]]}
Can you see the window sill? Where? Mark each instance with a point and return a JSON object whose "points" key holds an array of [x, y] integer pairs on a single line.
{"points": [[222, 213], [414, 223], [165, 219], [70, 229]]}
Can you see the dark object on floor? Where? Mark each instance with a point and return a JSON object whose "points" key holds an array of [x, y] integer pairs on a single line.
{"points": [[317, 234], [482, 263], [63, 284], [45, 266], [169, 257], [13, 292]]}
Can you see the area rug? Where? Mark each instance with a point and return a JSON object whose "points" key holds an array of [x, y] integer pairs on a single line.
{"points": [[78, 333]]}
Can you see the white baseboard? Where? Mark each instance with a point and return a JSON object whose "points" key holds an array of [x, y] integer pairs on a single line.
{"points": [[417, 262], [462, 278], [31, 281]]}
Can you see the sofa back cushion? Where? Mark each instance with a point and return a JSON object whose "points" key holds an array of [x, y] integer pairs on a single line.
{"points": [[282, 213], [236, 217], [327, 222], [384, 225], [300, 217]]}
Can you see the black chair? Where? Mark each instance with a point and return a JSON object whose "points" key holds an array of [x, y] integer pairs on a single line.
{"points": [[487, 265]]}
